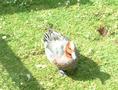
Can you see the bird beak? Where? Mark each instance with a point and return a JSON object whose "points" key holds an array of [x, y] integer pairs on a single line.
{"points": [[74, 56]]}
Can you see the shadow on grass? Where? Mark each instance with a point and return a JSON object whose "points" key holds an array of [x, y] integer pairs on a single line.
{"points": [[15, 6], [85, 2], [89, 70], [17, 71]]}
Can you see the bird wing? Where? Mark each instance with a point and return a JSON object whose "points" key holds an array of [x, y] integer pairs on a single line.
{"points": [[54, 44]]}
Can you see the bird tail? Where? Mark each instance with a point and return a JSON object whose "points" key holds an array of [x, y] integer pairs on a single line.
{"points": [[48, 35], [51, 35]]}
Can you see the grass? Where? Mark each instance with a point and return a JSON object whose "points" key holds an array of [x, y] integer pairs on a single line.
{"points": [[23, 65]]}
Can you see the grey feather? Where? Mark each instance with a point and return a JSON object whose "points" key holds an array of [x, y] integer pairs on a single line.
{"points": [[54, 43], [53, 35]]}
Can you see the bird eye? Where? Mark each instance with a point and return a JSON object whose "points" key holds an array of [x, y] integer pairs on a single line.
{"points": [[68, 54], [69, 48]]}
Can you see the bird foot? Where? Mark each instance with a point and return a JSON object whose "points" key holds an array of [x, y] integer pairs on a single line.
{"points": [[62, 73]]}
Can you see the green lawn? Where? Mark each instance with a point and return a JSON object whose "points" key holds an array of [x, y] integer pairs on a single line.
{"points": [[23, 64]]}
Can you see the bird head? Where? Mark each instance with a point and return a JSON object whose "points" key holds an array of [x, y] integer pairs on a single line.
{"points": [[70, 50]]}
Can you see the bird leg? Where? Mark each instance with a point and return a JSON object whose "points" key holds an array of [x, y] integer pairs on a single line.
{"points": [[62, 73]]}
